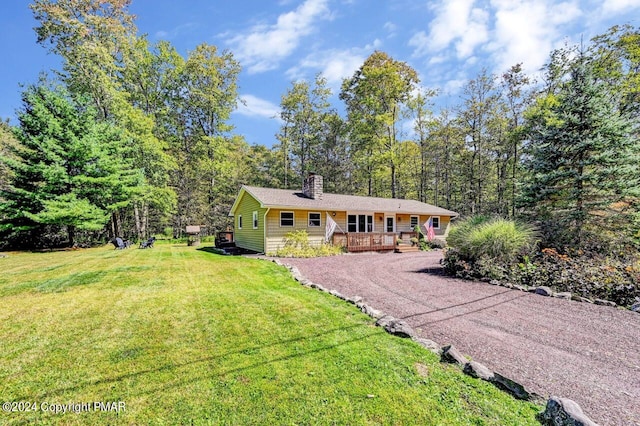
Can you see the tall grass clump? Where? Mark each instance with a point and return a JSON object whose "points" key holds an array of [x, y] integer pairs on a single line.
{"points": [[498, 239], [482, 247], [511, 252]]}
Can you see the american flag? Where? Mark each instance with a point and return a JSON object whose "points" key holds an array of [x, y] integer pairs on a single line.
{"points": [[431, 233], [329, 228]]}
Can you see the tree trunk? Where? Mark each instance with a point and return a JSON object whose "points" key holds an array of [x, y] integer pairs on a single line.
{"points": [[423, 172], [393, 180], [136, 214], [513, 179], [113, 225], [145, 220], [71, 231]]}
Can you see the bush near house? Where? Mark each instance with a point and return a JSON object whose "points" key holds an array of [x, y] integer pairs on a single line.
{"points": [[498, 249], [296, 244]]}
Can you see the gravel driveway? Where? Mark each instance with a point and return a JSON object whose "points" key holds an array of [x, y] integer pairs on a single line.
{"points": [[584, 352]]}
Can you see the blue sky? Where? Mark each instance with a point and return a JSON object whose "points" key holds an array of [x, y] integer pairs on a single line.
{"points": [[446, 41]]}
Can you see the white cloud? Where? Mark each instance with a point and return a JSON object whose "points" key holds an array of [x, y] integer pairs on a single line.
{"points": [[527, 31], [500, 32], [454, 86], [456, 22], [253, 106], [176, 31], [264, 46], [391, 28], [438, 59], [334, 64], [612, 7], [420, 41]]}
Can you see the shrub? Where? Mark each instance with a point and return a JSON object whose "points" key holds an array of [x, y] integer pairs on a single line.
{"points": [[498, 239], [296, 244], [587, 275], [502, 250]]}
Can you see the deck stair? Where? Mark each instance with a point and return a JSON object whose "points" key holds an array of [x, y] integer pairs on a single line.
{"points": [[406, 248]]}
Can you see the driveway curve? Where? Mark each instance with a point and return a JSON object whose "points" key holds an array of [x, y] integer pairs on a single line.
{"points": [[584, 352]]}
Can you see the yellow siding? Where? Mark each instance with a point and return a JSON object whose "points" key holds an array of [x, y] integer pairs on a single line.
{"points": [[276, 234], [247, 237], [341, 220], [445, 222], [403, 223], [378, 222]]}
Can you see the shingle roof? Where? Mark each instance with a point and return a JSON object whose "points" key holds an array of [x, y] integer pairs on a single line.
{"points": [[288, 198]]}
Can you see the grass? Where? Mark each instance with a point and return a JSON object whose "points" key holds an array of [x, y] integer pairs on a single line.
{"points": [[499, 239], [185, 336]]}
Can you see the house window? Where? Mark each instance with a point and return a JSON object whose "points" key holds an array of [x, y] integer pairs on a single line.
{"points": [[255, 220], [359, 223], [414, 222], [352, 223], [286, 219], [240, 222], [314, 219], [436, 222]]}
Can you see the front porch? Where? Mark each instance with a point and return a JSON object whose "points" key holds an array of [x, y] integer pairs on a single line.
{"points": [[371, 241], [366, 241]]}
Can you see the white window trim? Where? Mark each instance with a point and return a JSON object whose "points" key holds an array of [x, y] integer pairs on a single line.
{"points": [[417, 221], [359, 213], [395, 223], [239, 221], [347, 220], [293, 214], [309, 220], [255, 220], [436, 217]]}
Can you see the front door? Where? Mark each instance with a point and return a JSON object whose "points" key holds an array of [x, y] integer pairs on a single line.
{"points": [[390, 224]]}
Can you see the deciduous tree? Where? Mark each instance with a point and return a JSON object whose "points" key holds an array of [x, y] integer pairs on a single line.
{"points": [[374, 98]]}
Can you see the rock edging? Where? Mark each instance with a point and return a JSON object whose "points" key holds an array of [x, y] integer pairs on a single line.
{"points": [[558, 411], [567, 295]]}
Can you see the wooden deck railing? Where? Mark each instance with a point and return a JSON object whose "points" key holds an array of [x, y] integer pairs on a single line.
{"points": [[366, 241]]}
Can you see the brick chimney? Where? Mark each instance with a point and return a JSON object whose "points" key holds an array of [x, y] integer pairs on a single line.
{"points": [[313, 186]]}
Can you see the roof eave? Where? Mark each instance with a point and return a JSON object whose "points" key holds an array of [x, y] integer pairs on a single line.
{"points": [[339, 209], [243, 190]]}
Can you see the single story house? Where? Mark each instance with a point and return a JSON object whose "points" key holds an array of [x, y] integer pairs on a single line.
{"points": [[263, 216]]}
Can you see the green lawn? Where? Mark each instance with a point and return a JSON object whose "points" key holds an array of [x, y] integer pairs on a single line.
{"points": [[185, 336]]}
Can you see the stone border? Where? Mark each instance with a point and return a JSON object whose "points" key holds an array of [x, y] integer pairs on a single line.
{"points": [[558, 411], [547, 291]]}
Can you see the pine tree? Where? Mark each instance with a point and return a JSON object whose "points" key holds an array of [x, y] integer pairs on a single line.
{"points": [[583, 164], [66, 170]]}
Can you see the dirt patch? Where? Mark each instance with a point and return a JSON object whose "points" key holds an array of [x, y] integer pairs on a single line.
{"points": [[588, 353], [423, 370]]}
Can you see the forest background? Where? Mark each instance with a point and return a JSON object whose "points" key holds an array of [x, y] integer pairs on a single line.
{"points": [[131, 138]]}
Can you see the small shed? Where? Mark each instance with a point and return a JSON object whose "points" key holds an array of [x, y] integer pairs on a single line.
{"points": [[193, 235]]}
